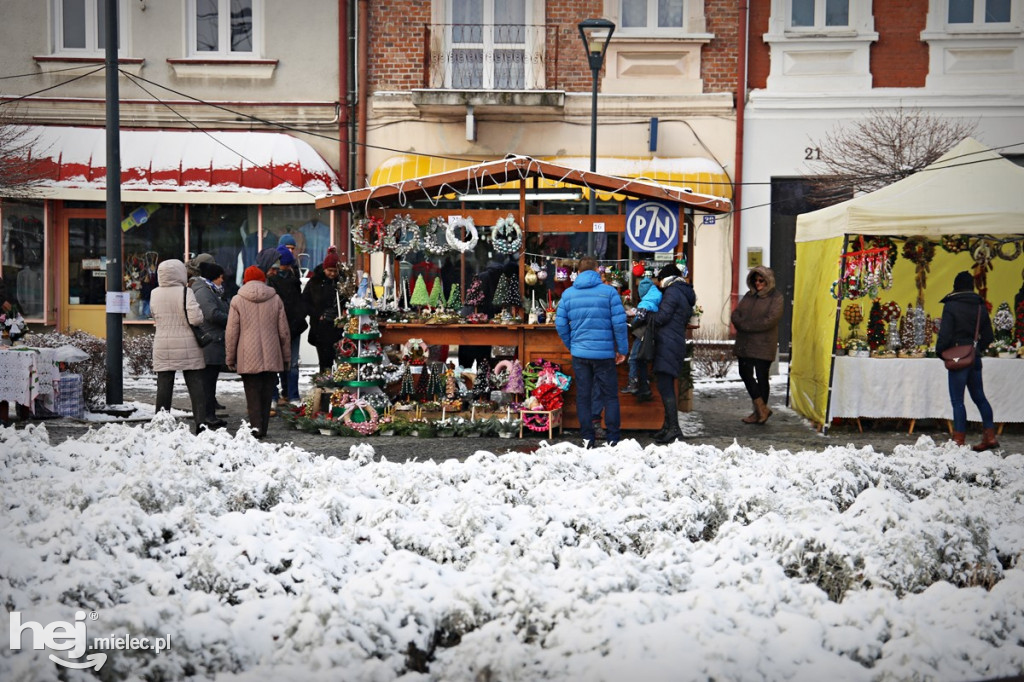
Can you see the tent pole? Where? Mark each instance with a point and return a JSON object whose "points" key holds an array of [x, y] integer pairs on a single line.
{"points": [[835, 337]]}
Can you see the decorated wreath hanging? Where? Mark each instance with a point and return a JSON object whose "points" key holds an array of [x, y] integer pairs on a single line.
{"points": [[954, 243], [431, 244], [507, 236], [920, 252], [368, 234], [451, 235], [403, 235]]}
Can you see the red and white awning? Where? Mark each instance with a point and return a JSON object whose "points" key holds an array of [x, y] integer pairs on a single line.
{"points": [[182, 166]]}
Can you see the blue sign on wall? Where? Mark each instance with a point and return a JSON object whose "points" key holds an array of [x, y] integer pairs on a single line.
{"points": [[651, 226]]}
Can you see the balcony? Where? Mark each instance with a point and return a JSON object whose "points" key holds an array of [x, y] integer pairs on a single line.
{"points": [[503, 65]]}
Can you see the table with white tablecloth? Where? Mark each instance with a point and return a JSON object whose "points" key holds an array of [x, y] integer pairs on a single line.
{"points": [[917, 388], [27, 374]]}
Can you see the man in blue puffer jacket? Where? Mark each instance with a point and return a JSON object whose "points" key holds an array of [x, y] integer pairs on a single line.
{"points": [[591, 322]]}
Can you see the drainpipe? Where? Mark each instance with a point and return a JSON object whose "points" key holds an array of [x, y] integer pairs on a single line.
{"points": [[344, 113], [362, 66], [737, 194]]}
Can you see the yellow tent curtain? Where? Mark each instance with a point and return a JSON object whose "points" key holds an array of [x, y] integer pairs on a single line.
{"points": [[703, 176]]}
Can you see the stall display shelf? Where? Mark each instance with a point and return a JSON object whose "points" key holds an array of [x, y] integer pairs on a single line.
{"points": [[363, 336], [366, 360]]}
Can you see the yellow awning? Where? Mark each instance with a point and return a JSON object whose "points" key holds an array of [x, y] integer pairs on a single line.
{"points": [[701, 175]]}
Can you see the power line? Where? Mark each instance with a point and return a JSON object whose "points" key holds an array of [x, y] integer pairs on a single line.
{"points": [[52, 87]]}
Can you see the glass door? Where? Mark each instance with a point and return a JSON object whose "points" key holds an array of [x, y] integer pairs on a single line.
{"points": [[86, 278]]}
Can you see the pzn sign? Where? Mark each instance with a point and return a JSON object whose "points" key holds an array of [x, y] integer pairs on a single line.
{"points": [[651, 225]]}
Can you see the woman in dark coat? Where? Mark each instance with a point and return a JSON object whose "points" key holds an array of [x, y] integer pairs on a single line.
{"points": [[963, 311], [320, 298], [209, 290], [285, 281], [756, 319], [669, 326]]}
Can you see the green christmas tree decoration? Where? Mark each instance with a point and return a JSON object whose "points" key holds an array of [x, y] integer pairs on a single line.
{"points": [[454, 298], [876, 326], [419, 292], [435, 293], [515, 300], [501, 292]]}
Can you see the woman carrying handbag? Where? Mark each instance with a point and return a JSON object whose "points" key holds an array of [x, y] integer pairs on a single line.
{"points": [[965, 322]]}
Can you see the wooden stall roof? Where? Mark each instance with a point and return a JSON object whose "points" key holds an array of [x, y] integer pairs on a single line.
{"points": [[473, 179]]}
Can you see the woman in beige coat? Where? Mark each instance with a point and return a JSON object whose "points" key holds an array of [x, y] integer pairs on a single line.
{"points": [[174, 346], [756, 319], [257, 344]]}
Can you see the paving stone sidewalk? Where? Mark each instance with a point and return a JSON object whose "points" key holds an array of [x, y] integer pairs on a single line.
{"points": [[715, 421]]}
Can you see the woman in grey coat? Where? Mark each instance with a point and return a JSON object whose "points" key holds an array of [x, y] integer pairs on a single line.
{"points": [[209, 290]]}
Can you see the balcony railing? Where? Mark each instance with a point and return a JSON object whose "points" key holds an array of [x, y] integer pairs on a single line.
{"points": [[491, 56]]}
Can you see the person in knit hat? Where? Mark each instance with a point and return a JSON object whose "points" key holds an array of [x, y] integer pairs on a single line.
{"points": [[209, 291], [321, 299], [669, 327], [285, 281], [266, 260], [257, 344], [286, 240], [964, 317], [756, 319]]}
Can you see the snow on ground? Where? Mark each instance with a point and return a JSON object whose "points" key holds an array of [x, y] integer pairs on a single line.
{"points": [[679, 562]]}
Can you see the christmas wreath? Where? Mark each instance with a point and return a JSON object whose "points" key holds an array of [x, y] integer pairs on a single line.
{"points": [[506, 235], [954, 243], [403, 235], [919, 250], [368, 234], [431, 244], [462, 246]]}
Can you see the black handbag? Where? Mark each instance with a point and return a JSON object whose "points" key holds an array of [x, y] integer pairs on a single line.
{"points": [[204, 337], [962, 357], [646, 350]]}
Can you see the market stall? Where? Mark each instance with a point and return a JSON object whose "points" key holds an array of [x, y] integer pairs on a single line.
{"points": [[441, 299], [871, 272]]}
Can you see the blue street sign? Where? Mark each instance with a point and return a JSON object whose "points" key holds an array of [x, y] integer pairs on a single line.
{"points": [[651, 226]]}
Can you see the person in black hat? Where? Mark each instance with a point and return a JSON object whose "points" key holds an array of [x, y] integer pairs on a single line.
{"points": [[964, 316], [669, 326]]}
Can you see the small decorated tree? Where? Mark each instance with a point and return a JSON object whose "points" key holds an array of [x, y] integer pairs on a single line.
{"points": [[475, 293], [419, 292], [876, 326], [1019, 325], [435, 293], [482, 383], [501, 292], [454, 298], [515, 300]]}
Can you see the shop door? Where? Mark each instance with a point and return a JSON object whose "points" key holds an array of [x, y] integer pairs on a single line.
{"points": [[83, 304]]}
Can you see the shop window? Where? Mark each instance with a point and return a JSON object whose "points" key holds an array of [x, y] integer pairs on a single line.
{"points": [[87, 261], [23, 257], [224, 28], [155, 232], [229, 234], [79, 27], [312, 235]]}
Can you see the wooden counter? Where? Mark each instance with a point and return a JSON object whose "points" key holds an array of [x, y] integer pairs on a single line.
{"points": [[535, 342]]}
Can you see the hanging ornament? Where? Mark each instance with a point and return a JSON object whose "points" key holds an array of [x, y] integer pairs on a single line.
{"points": [[530, 278]]}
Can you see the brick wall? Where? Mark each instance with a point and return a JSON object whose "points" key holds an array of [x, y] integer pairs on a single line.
{"points": [[758, 55], [899, 59], [396, 46], [718, 63]]}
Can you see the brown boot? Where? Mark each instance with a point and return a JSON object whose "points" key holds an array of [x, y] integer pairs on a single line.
{"points": [[988, 441], [958, 437], [752, 417], [762, 411]]}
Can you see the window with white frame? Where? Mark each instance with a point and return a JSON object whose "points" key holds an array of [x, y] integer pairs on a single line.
{"points": [[978, 12], [819, 15], [492, 45], [224, 28], [80, 27], [651, 15]]}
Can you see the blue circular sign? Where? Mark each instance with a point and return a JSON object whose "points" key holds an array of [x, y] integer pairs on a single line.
{"points": [[651, 226]]}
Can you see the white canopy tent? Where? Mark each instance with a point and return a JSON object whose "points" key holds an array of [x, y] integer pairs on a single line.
{"points": [[970, 190]]}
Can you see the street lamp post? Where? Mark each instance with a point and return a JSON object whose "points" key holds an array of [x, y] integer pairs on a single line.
{"points": [[595, 34]]}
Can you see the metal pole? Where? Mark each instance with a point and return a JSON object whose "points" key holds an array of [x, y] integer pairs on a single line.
{"points": [[593, 158], [115, 341]]}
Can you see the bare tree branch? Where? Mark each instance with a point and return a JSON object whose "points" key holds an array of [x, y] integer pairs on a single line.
{"points": [[19, 173], [881, 149]]}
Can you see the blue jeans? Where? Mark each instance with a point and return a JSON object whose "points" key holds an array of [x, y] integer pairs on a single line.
{"points": [[597, 384], [971, 379], [290, 378]]}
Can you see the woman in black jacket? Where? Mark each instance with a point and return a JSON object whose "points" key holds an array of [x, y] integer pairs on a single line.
{"points": [[321, 299], [209, 290], [285, 281], [669, 326], [963, 311]]}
